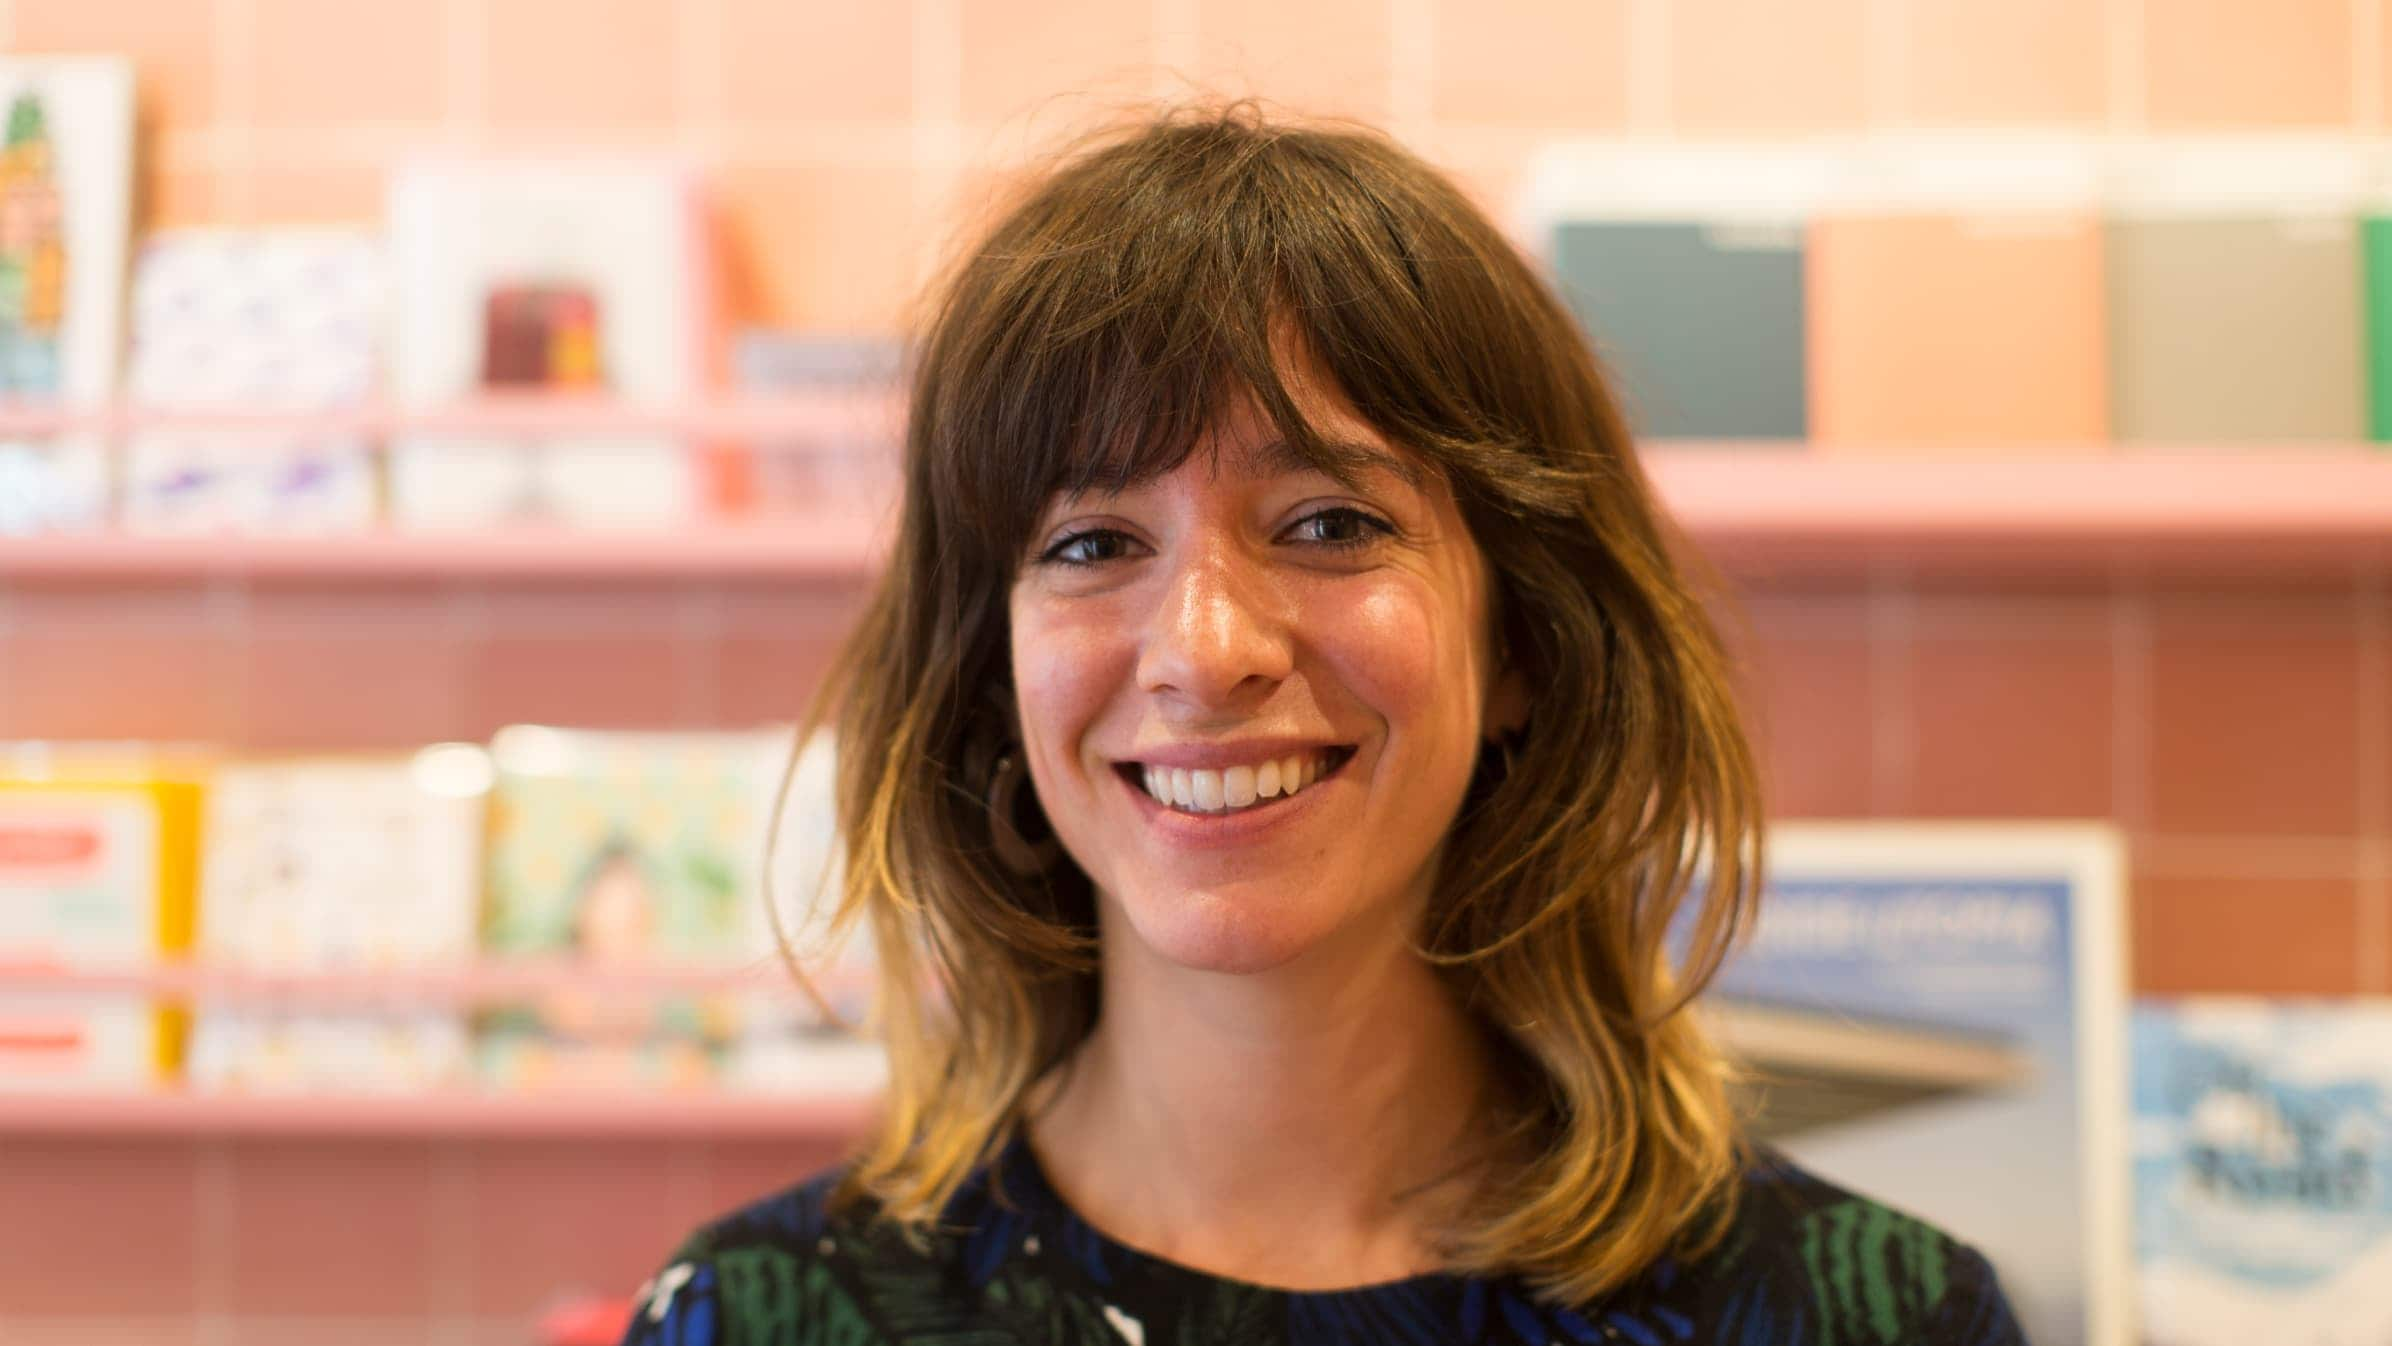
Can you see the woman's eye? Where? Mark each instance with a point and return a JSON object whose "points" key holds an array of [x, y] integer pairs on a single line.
{"points": [[1093, 546], [1341, 528]]}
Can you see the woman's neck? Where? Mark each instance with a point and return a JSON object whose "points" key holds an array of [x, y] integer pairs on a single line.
{"points": [[1307, 1127]]}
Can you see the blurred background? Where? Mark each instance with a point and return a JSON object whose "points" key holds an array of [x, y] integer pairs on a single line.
{"points": [[442, 445]]}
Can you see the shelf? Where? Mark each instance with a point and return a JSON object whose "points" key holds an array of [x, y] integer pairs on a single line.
{"points": [[488, 983], [818, 550], [660, 1115], [1759, 511], [168, 1111], [1764, 510], [831, 413]]}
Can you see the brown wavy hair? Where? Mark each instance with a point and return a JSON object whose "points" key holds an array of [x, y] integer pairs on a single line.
{"points": [[1091, 336]]}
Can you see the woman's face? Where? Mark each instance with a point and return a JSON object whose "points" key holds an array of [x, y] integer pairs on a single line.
{"points": [[1300, 668]]}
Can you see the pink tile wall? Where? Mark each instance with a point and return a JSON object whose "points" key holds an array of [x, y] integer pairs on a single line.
{"points": [[2026, 62], [2241, 736], [1758, 66], [120, 1234], [253, 1240], [559, 71], [794, 66], [294, 667], [1330, 57], [294, 88], [848, 137], [1573, 75], [2249, 63]]}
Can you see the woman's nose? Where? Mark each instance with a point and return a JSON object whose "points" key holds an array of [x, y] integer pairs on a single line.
{"points": [[1217, 632]]}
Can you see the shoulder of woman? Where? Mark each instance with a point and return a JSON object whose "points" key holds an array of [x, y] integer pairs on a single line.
{"points": [[1804, 1254], [781, 1269]]}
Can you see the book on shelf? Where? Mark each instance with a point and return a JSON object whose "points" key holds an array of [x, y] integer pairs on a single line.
{"points": [[618, 850], [558, 909], [841, 470], [1915, 991], [789, 1043], [253, 321], [340, 866], [66, 178], [574, 277], [97, 851], [2263, 1171]]}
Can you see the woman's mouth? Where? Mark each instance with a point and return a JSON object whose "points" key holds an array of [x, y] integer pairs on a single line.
{"points": [[1237, 788]]}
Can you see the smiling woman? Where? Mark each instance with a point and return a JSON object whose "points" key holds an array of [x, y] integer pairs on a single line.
{"points": [[1292, 748]]}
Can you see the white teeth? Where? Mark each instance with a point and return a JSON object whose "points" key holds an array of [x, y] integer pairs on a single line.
{"points": [[1199, 790], [1237, 786]]}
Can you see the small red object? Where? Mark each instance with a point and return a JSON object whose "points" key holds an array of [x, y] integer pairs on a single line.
{"points": [[586, 1322]]}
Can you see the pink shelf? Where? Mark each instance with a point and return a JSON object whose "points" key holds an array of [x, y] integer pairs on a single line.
{"points": [[791, 417], [697, 1116], [799, 549], [1764, 509], [169, 1112], [482, 984]]}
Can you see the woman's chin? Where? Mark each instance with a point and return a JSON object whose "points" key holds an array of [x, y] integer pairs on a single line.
{"points": [[1209, 932]]}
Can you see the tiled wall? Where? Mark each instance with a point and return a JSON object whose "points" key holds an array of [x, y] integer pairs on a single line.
{"points": [[848, 139], [321, 666], [2243, 734], [396, 1242]]}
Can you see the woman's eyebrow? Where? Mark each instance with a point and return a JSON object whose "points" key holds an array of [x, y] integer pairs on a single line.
{"points": [[1347, 459]]}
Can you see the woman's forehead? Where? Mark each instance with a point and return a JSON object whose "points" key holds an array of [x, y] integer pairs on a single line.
{"points": [[1243, 439], [1351, 455]]}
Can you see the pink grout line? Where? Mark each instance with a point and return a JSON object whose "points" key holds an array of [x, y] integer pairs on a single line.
{"points": [[2259, 858], [785, 421], [2125, 43], [1885, 66], [2371, 601], [2367, 64], [228, 616], [8, 626], [214, 1177], [1893, 736], [698, 655], [1649, 41], [2130, 706], [453, 1207]]}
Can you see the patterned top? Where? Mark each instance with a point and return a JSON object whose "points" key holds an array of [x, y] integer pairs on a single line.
{"points": [[1805, 1264]]}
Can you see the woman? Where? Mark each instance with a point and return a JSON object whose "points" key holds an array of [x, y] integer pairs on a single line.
{"points": [[1294, 754]]}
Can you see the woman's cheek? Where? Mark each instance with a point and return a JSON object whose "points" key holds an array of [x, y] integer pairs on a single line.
{"points": [[1397, 647], [1066, 668]]}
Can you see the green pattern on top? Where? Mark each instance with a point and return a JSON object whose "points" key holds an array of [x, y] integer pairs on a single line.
{"points": [[1804, 1262], [1873, 1272]]}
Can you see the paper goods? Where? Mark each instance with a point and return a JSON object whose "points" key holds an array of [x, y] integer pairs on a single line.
{"points": [[556, 278], [1935, 1014], [341, 867], [2263, 1172], [96, 861], [616, 854], [253, 322], [66, 155]]}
